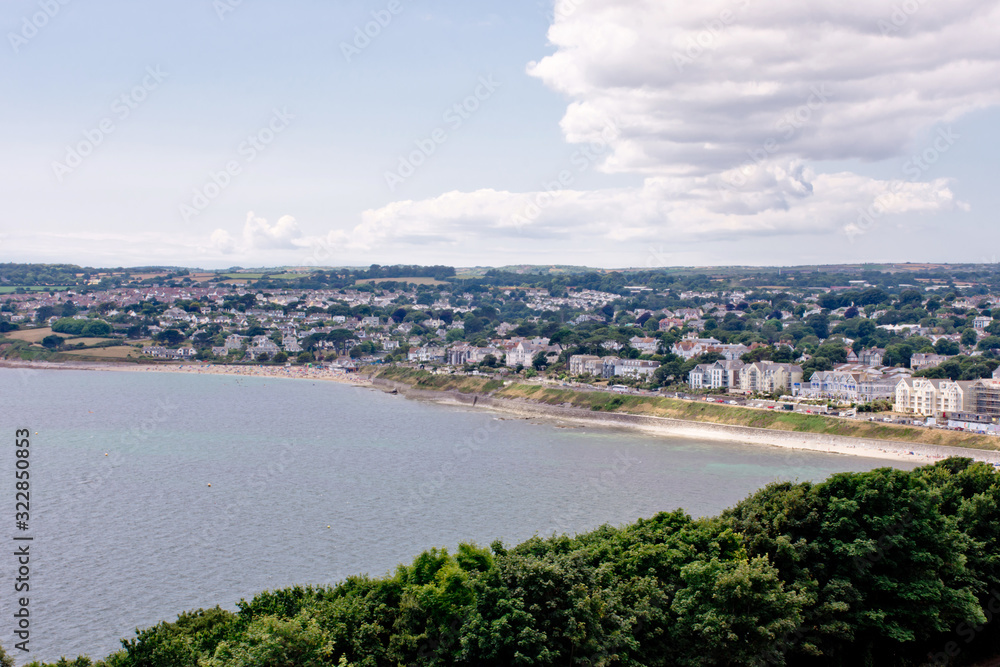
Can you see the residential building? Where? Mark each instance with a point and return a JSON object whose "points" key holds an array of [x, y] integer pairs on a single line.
{"points": [[981, 322], [766, 377], [873, 357], [580, 364], [723, 374], [427, 353], [635, 367], [645, 345], [931, 397], [919, 362]]}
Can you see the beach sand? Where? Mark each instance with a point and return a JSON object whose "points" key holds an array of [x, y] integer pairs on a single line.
{"points": [[195, 368]]}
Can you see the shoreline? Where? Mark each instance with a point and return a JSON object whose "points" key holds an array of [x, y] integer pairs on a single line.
{"points": [[889, 450], [196, 368]]}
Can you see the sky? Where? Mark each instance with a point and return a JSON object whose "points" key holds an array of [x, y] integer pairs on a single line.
{"points": [[606, 133]]}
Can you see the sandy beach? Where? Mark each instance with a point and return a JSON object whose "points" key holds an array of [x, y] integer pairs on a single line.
{"points": [[280, 372], [888, 450]]}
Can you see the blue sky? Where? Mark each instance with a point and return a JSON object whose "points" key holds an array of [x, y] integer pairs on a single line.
{"points": [[599, 132]]}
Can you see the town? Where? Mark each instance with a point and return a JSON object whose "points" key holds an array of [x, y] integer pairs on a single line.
{"points": [[914, 344]]}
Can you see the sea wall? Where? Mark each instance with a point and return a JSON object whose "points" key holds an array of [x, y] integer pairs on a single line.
{"points": [[691, 429]]}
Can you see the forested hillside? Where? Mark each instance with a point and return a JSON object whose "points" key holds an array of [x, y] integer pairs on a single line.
{"points": [[886, 568]]}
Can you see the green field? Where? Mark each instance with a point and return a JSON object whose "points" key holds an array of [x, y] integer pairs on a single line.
{"points": [[8, 289]]}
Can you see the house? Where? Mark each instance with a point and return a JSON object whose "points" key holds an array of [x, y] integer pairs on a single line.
{"points": [[932, 397], [668, 323], [919, 362], [723, 374], [981, 322], [426, 353], [234, 342], [873, 357], [765, 377], [291, 344], [460, 354], [858, 384], [645, 345], [635, 367], [691, 346], [523, 353], [580, 364]]}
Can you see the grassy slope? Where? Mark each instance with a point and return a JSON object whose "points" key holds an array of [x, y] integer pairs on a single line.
{"points": [[691, 410]]}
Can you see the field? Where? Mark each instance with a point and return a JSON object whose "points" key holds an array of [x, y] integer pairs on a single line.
{"points": [[87, 341], [8, 289], [104, 353], [404, 279], [32, 335]]}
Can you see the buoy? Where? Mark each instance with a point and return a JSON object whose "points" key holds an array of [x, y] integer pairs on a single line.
{"points": [[105, 453], [328, 526], [210, 485]]}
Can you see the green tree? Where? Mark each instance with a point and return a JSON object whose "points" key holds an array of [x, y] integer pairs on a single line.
{"points": [[539, 361], [52, 342]]}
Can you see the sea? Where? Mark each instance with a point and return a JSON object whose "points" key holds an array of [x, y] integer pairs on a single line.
{"points": [[157, 493]]}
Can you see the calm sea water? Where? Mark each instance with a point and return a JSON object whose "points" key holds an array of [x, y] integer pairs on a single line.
{"points": [[154, 494]]}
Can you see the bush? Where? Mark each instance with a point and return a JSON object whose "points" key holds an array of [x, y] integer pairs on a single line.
{"points": [[68, 325]]}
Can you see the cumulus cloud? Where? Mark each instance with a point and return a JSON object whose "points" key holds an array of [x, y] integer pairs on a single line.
{"points": [[258, 234], [696, 86], [682, 209], [725, 107]]}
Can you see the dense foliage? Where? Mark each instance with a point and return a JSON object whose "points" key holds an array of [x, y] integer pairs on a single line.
{"points": [[68, 325], [880, 568]]}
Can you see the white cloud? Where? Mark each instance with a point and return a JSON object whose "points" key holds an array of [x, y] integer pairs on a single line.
{"points": [[682, 209], [726, 107], [694, 86], [258, 234]]}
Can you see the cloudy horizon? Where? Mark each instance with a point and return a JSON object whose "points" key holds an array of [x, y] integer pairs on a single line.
{"points": [[605, 133]]}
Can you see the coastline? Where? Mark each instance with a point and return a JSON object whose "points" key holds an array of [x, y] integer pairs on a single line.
{"points": [[889, 450], [195, 368]]}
